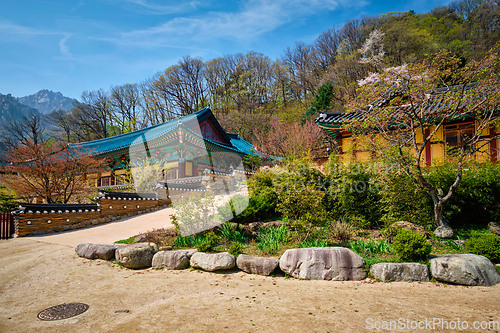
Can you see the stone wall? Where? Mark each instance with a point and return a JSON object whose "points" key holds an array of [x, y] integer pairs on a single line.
{"points": [[36, 219]]}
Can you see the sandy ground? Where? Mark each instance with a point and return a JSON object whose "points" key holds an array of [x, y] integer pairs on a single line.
{"points": [[110, 232], [36, 275]]}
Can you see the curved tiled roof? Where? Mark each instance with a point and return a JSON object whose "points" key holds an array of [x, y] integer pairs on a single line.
{"points": [[124, 141], [435, 101]]}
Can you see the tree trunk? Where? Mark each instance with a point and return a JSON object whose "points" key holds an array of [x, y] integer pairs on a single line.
{"points": [[443, 229], [439, 218]]}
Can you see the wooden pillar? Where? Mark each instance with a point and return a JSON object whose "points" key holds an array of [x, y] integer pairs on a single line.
{"points": [[182, 168], [195, 168], [341, 151], [493, 146], [428, 156]]}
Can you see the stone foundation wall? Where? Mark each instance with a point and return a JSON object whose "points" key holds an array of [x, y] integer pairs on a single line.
{"points": [[30, 224]]}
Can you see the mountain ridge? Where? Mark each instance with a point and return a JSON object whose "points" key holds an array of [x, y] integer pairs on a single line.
{"points": [[46, 101]]}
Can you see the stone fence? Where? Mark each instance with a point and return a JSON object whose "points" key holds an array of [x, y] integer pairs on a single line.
{"points": [[35, 219]]}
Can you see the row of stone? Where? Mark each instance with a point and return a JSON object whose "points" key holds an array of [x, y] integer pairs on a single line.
{"points": [[328, 263]]}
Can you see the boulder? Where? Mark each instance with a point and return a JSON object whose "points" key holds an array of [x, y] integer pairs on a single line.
{"points": [[464, 269], [444, 232], [397, 272], [190, 252], [96, 251], [212, 261], [256, 265], [323, 263], [171, 260], [138, 255], [494, 227], [141, 238]]}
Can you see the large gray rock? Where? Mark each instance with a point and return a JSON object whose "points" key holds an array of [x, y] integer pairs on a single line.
{"points": [[405, 272], [138, 255], [323, 263], [444, 232], [171, 260], [212, 261], [494, 227], [256, 265], [96, 251], [464, 269]]}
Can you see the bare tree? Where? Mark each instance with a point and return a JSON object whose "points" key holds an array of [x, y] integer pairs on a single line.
{"points": [[126, 102], [28, 128], [184, 85]]}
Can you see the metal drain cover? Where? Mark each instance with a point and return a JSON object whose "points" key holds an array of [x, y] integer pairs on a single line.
{"points": [[62, 311]]}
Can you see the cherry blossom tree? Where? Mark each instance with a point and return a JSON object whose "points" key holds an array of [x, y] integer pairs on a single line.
{"points": [[403, 106]]}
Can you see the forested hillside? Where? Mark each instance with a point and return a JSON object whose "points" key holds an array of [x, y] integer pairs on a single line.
{"points": [[250, 91]]}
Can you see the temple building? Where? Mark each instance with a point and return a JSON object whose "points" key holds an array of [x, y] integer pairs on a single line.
{"points": [[184, 147], [450, 135]]}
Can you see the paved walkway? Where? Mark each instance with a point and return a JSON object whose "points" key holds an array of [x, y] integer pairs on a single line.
{"points": [[110, 232]]}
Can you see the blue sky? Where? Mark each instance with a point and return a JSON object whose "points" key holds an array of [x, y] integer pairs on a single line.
{"points": [[73, 46]]}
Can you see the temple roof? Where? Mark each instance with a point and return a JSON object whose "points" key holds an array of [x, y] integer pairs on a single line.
{"points": [[435, 101], [124, 141]]}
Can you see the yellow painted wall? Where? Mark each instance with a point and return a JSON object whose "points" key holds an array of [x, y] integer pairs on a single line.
{"points": [[189, 169], [356, 148]]}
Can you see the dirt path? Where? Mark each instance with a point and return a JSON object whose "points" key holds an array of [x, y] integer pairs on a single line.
{"points": [[36, 275], [108, 233]]}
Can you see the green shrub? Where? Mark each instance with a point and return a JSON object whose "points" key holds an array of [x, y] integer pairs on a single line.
{"points": [[411, 245], [354, 192], [485, 245], [303, 205], [477, 197], [8, 202], [211, 241], [235, 249], [404, 201], [258, 206]]}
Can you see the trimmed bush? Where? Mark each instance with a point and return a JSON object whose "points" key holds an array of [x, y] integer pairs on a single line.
{"points": [[485, 245], [403, 201], [260, 205], [211, 241], [235, 249], [354, 192], [411, 246]]}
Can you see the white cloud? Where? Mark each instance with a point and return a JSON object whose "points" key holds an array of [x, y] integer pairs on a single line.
{"points": [[151, 7], [12, 28], [255, 18], [63, 47]]}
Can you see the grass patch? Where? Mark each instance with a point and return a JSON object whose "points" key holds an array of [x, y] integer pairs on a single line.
{"points": [[370, 247], [313, 243], [189, 241], [129, 240], [270, 239], [230, 233]]}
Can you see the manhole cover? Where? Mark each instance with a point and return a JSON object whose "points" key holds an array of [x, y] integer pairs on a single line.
{"points": [[63, 311]]}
